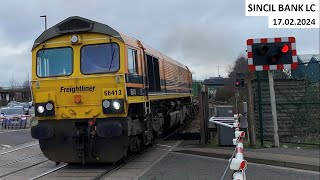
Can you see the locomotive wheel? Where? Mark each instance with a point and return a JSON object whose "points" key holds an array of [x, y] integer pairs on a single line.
{"points": [[123, 160]]}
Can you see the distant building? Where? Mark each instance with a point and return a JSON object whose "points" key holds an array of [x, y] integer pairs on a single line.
{"points": [[21, 94], [214, 81], [308, 68]]}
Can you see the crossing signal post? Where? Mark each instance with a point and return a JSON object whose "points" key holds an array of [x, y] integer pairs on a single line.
{"points": [[266, 54]]}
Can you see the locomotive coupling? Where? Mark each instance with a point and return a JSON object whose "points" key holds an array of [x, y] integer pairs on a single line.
{"points": [[109, 129]]}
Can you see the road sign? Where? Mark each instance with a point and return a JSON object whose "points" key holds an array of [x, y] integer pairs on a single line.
{"points": [[266, 54]]}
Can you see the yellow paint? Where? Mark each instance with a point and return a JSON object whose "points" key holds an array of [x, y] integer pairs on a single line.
{"points": [[113, 93], [50, 89]]}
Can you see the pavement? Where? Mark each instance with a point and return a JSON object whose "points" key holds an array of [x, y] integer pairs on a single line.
{"points": [[307, 159], [188, 160], [141, 165], [180, 166], [13, 137]]}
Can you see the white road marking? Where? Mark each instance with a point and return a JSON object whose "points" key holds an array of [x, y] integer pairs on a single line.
{"points": [[18, 147], [14, 130], [6, 146], [164, 145]]}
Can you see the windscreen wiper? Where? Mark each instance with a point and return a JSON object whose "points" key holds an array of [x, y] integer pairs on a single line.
{"points": [[112, 50]]}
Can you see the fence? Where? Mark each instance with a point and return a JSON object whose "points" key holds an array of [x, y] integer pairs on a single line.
{"points": [[298, 104]]}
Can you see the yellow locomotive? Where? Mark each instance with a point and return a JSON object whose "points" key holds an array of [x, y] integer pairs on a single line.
{"points": [[99, 94]]}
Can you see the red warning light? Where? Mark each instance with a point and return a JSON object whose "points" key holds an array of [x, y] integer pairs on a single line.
{"points": [[243, 164], [285, 48]]}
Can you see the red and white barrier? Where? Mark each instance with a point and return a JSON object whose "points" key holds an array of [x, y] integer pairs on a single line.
{"points": [[15, 117], [238, 164], [13, 122]]}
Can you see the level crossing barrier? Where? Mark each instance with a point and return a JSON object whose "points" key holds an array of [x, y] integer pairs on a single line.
{"points": [[237, 163], [14, 122]]}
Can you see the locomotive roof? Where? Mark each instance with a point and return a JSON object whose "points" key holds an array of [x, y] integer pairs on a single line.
{"points": [[149, 50], [76, 24]]}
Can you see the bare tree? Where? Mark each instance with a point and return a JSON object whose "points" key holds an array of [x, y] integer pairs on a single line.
{"points": [[26, 84], [239, 66], [227, 93]]}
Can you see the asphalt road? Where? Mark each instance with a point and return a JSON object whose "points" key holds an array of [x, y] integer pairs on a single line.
{"points": [[14, 137], [176, 166]]}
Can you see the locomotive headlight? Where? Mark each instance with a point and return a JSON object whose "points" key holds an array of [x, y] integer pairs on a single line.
{"points": [[116, 105], [112, 106], [49, 106], [40, 109], [45, 109], [74, 38], [106, 103]]}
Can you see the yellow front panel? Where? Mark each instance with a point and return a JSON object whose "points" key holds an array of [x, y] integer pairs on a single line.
{"points": [[92, 88]]}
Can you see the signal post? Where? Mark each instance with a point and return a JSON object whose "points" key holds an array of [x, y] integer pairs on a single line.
{"points": [[266, 54]]}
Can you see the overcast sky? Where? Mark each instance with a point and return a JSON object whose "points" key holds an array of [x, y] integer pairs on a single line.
{"points": [[201, 34]]}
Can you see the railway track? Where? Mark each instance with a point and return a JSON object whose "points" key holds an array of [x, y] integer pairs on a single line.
{"points": [[33, 165], [49, 171], [100, 172], [20, 158], [17, 148]]}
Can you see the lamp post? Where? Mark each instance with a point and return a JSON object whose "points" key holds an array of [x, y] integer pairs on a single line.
{"points": [[45, 21]]}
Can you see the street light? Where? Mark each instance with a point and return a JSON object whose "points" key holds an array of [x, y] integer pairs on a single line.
{"points": [[45, 21]]}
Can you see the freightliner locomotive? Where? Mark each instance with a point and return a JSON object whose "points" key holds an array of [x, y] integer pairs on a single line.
{"points": [[99, 94]]}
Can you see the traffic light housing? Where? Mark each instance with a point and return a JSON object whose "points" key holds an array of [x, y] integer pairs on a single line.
{"points": [[272, 54], [239, 83]]}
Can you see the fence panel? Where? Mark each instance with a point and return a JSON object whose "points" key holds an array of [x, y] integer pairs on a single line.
{"points": [[298, 110]]}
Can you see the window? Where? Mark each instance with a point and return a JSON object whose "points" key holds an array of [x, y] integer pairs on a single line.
{"points": [[132, 61], [100, 58], [153, 74], [54, 62]]}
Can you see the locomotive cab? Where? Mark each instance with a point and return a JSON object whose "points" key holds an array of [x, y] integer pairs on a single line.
{"points": [[78, 87]]}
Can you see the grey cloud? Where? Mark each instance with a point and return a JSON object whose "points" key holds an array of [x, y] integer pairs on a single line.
{"points": [[201, 34]]}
